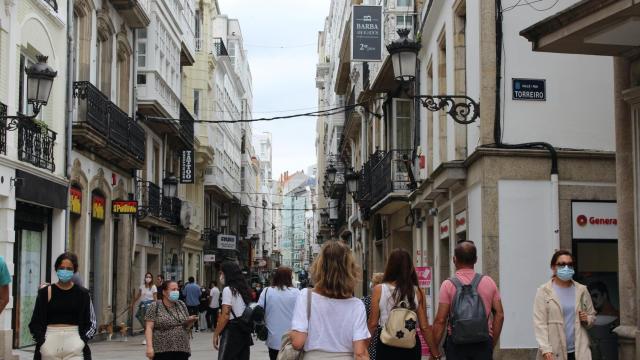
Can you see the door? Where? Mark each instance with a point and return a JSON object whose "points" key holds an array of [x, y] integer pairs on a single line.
{"points": [[30, 255]]}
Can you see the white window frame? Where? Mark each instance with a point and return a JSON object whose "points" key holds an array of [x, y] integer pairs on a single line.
{"points": [[394, 128]]}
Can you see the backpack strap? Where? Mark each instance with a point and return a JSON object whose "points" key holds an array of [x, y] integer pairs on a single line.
{"points": [[48, 293], [458, 284], [309, 304], [266, 292], [476, 281]]}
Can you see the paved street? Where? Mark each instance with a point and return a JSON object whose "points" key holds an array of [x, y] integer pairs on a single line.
{"points": [[201, 349]]}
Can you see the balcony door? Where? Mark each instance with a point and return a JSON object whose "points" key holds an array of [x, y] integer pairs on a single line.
{"points": [[401, 130]]}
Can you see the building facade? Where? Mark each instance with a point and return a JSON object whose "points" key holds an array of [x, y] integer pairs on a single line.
{"points": [[514, 180]]}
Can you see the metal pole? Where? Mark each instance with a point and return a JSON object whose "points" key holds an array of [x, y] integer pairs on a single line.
{"points": [[69, 104]]}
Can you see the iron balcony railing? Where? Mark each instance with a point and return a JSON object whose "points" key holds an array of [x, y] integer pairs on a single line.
{"points": [[3, 129], [109, 120], [148, 198], [385, 173], [218, 47], [170, 209], [35, 144]]}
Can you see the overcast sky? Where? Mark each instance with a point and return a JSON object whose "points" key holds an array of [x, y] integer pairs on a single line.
{"points": [[280, 37]]}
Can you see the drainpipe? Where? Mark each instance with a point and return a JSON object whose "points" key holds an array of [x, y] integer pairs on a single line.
{"points": [[69, 104]]}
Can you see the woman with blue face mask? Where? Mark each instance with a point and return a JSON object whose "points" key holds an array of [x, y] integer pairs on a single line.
{"points": [[562, 313], [167, 326], [63, 319]]}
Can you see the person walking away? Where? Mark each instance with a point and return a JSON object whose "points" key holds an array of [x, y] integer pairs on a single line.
{"points": [[376, 279], [562, 313], [214, 305], [192, 298], [63, 319], [5, 280], [476, 289], [159, 282], [167, 325], [232, 338], [147, 294], [399, 290], [335, 327], [278, 302]]}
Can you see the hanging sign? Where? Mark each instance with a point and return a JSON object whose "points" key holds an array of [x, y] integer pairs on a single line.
{"points": [[444, 229], [186, 167], [226, 242], [461, 222], [529, 89], [75, 200], [366, 33], [124, 207], [209, 258], [97, 207], [594, 220]]}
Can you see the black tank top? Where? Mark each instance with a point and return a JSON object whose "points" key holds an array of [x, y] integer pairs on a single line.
{"points": [[64, 306]]}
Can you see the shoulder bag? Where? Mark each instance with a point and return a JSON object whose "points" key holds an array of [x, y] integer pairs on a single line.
{"points": [[262, 333]]}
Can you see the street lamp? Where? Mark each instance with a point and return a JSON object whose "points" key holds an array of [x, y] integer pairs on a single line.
{"points": [[331, 174], [170, 186], [222, 218], [39, 83], [324, 217], [404, 54], [352, 181]]}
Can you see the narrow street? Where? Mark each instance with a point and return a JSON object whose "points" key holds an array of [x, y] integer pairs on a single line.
{"points": [[117, 349]]}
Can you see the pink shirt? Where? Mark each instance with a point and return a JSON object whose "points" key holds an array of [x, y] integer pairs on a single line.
{"points": [[487, 290]]}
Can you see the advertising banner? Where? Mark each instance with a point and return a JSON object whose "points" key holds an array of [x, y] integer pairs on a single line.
{"points": [[75, 199], [97, 207], [424, 281], [186, 167], [124, 207], [226, 242], [594, 220], [366, 33]]}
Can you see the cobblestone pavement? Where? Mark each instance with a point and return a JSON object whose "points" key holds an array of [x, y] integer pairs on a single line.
{"points": [[201, 349]]}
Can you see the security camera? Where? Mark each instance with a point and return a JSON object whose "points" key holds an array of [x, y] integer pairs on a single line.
{"points": [[433, 211]]}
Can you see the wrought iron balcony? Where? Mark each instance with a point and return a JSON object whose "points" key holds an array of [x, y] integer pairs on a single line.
{"points": [[218, 47], [3, 129], [170, 209], [385, 173], [35, 144], [148, 195], [103, 126], [336, 189]]}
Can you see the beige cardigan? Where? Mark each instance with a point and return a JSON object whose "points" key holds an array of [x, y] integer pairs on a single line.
{"points": [[548, 323]]}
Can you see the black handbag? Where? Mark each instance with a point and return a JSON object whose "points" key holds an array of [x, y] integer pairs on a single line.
{"points": [[261, 324]]}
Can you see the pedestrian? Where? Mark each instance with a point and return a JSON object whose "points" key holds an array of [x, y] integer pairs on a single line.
{"points": [[214, 305], [192, 293], [181, 290], [63, 319], [376, 279], [489, 308], [399, 288], [167, 326], [5, 280], [562, 313], [258, 290], [231, 338], [336, 325], [278, 302], [147, 294]]}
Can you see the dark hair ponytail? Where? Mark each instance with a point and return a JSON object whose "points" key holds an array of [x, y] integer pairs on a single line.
{"points": [[236, 281]]}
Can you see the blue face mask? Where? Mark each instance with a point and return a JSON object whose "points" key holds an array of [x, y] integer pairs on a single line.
{"points": [[174, 295], [64, 275], [565, 273]]}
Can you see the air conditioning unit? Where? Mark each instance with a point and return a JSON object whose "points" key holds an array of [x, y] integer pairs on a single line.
{"points": [[186, 212]]}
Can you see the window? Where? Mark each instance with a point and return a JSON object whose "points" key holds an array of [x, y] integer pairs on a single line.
{"points": [[404, 3], [23, 107], [196, 103], [142, 79], [402, 125], [404, 22], [142, 53]]}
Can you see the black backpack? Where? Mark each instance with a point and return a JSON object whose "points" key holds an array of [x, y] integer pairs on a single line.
{"points": [[467, 317]]}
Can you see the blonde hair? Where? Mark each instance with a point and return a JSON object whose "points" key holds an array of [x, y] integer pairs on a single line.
{"points": [[376, 278], [334, 272]]}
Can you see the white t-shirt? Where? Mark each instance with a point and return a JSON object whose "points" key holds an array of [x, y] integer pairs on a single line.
{"points": [[236, 302], [279, 312], [146, 294], [334, 325], [215, 298]]}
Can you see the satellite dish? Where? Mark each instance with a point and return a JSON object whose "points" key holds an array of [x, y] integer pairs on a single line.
{"points": [[185, 214]]}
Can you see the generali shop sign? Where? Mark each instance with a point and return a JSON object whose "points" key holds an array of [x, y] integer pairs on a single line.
{"points": [[594, 220], [226, 242]]}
